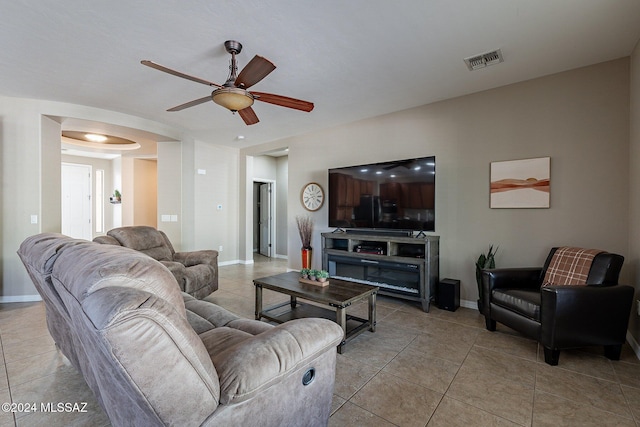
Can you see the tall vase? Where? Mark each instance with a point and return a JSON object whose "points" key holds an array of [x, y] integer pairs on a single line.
{"points": [[306, 257]]}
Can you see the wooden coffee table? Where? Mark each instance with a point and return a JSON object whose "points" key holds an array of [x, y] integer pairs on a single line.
{"points": [[338, 295]]}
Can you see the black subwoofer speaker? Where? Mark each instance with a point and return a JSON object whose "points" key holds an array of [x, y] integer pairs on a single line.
{"points": [[449, 294]]}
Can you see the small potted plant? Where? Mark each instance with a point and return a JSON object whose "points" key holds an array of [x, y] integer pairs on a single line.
{"points": [[313, 273], [304, 273], [116, 198], [485, 261], [322, 275]]}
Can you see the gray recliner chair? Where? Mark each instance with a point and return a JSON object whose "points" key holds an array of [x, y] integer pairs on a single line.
{"points": [[196, 272]]}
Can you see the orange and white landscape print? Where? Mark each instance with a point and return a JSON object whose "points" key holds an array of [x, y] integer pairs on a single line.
{"points": [[521, 183]]}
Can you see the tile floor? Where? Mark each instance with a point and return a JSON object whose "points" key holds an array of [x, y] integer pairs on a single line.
{"points": [[418, 369]]}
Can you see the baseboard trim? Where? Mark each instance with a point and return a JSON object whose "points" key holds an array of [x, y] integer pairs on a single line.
{"points": [[236, 261], [634, 344], [469, 304], [19, 298]]}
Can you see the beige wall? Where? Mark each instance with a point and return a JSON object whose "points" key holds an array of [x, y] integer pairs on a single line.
{"points": [[50, 166], [170, 190], [145, 192], [633, 260], [21, 157], [212, 227], [127, 191], [281, 206], [579, 118]]}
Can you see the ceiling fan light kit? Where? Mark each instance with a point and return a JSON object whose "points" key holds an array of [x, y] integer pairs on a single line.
{"points": [[232, 98], [233, 95]]}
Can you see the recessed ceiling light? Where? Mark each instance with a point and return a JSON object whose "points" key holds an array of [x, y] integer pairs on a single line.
{"points": [[98, 141], [240, 137], [95, 137]]}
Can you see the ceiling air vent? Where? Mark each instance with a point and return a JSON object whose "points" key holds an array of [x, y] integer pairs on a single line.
{"points": [[483, 60]]}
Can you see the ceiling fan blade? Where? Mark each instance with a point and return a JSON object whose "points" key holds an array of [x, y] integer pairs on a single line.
{"points": [[284, 101], [257, 69], [190, 103], [249, 116], [178, 73]]}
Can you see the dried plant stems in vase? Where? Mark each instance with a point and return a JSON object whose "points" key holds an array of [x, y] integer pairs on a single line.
{"points": [[305, 229]]}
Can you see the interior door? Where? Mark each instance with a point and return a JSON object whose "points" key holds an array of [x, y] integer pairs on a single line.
{"points": [[76, 201], [265, 219]]}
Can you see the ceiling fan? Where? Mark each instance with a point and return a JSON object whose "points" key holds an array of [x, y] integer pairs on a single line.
{"points": [[233, 94]]}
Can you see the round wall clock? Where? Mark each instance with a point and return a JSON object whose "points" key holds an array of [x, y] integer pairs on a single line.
{"points": [[312, 196]]}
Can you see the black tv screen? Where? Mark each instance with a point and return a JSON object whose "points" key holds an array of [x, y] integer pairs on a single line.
{"points": [[397, 194]]}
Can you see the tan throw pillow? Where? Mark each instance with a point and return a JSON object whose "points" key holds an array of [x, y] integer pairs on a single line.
{"points": [[569, 266]]}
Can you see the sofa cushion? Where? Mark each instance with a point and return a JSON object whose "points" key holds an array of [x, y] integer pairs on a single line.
{"points": [[219, 339], [569, 266], [523, 302], [212, 314], [144, 239], [204, 316]]}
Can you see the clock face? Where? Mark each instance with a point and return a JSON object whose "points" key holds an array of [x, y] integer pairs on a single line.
{"points": [[312, 196]]}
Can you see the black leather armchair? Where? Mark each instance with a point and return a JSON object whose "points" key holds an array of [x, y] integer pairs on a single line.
{"points": [[561, 317]]}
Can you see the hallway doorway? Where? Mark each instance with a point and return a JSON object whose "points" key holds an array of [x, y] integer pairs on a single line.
{"points": [[264, 230]]}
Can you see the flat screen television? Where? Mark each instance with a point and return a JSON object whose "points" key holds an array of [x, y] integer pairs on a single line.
{"points": [[398, 195]]}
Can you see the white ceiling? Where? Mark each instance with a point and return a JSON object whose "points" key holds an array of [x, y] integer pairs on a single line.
{"points": [[354, 59]]}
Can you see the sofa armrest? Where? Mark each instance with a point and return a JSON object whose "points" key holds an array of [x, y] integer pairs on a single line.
{"points": [[513, 278], [189, 259], [252, 365], [579, 315]]}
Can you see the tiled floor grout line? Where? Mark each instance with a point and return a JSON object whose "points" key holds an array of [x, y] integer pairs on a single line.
{"points": [[451, 382], [475, 342], [6, 372]]}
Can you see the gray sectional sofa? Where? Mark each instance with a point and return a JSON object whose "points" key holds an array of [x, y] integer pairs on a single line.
{"points": [[156, 356]]}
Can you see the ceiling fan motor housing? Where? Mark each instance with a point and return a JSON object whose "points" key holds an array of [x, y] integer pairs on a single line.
{"points": [[233, 46]]}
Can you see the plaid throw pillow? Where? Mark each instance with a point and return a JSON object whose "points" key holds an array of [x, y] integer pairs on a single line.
{"points": [[569, 266]]}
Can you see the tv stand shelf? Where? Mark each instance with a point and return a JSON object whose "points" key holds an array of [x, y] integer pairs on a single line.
{"points": [[403, 267]]}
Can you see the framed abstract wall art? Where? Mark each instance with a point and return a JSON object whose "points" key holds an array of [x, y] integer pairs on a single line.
{"points": [[521, 183]]}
